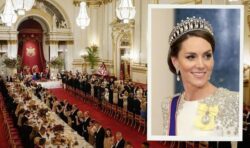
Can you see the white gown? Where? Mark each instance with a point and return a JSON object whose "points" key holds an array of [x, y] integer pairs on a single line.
{"points": [[221, 108]]}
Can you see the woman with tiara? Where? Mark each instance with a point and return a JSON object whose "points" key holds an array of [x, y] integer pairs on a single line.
{"points": [[202, 109]]}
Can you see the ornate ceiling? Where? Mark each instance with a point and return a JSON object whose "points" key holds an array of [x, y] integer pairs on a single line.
{"points": [[92, 2]]}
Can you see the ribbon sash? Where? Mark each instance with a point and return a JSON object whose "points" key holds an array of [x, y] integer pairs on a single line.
{"points": [[173, 109]]}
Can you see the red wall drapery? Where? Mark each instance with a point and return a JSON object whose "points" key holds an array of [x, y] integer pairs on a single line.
{"points": [[30, 39], [31, 55]]}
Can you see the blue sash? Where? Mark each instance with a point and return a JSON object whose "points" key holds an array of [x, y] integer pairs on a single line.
{"points": [[172, 125]]}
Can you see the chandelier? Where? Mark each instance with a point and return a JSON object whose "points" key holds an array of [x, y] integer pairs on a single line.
{"points": [[125, 11], [82, 19], [22, 5], [8, 16]]}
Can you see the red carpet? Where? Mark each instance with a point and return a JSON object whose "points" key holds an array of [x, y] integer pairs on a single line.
{"points": [[3, 138], [129, 133]]}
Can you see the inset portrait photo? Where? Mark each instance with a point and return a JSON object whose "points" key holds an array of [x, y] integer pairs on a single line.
{"points": [[195, 72]]}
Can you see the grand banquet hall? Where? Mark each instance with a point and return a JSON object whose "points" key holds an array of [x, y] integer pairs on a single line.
{"points": [[73, 73]]}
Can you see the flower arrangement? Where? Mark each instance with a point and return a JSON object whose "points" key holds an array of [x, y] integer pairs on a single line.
{"points": [[10, 63], [56, 62], [13, 62]]}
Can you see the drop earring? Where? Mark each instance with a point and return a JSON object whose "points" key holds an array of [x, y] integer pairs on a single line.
{"points": [[177, 75]]}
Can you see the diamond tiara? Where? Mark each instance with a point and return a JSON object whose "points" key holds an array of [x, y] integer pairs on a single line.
{"points": [[190, 24]]}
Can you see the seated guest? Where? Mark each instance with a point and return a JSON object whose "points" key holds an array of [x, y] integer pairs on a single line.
{"points": [[26, 116], [20, 116], [145, 145], [34, 133], [18, 108], [36, 142], [42, 132], [128, 145], [46, 73], [38, 76], [21, 76], [38, 90], [34, 76], [39, 142]]}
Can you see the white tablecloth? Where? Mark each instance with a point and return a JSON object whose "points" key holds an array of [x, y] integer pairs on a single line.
{"points": [[67, 132], [51, 84]]}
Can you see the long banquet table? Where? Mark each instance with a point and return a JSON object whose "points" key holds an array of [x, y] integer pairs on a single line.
{"points": [[51, 84], [52, 119]]}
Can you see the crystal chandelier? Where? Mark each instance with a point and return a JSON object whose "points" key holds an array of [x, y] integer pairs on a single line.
{"points": [[125, 11], [8, 16], [82, 19], [22, 5]]}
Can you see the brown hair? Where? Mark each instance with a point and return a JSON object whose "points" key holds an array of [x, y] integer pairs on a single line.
{"points": [[176, 46]]}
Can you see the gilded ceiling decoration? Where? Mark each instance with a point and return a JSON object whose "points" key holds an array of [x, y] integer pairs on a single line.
{"points": [[92, 2], [49, 8]]}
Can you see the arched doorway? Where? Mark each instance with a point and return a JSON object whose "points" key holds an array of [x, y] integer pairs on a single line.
{"points": [[122, 38], [30, 46], [124, 46]]}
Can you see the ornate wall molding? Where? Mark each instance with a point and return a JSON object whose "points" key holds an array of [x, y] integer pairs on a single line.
{"points": [[7, 34], [245, 2], [182, 1], [139, 68], [50, 42], [60, 36], [198, 1], [81, 64]]}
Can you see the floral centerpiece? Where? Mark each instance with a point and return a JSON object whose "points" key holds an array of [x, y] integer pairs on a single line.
{"points": [[58, 128]]}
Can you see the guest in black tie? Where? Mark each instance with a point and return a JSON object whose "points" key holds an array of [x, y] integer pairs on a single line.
{"points": [[26, 130], [120, 142], [86, 125], [130, 99], [100, 134]]}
